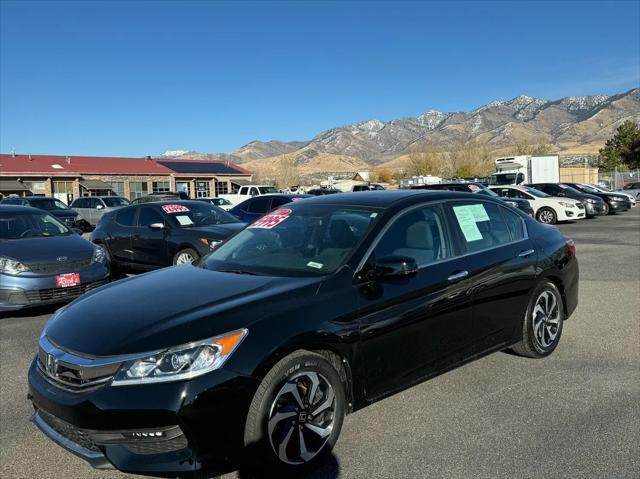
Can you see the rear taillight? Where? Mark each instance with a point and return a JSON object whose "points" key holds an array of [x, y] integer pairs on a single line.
{"points": [[571, 246]]}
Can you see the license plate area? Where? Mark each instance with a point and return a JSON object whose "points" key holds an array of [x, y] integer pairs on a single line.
{"points": [[67, 280]]}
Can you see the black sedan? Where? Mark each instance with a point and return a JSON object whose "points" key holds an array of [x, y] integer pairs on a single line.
{"points": [[613, 202], [152, 235], [253, 208], [312, 312], [479, 188], [51, 205], [42, 261], [593, 204]]}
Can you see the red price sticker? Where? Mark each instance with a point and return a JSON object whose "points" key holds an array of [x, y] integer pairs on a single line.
{"points": [[272, 219], [67, 280], [474, 188], [175, 209]]}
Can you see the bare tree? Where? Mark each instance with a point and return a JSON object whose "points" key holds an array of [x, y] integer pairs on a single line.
{"points": [[287, 173], [426, 160]]}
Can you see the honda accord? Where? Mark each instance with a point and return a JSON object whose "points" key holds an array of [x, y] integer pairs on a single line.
{"points": [[254, 356]]}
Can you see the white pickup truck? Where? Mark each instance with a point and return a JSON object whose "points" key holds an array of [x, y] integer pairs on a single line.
{"points": [[249, 191]]}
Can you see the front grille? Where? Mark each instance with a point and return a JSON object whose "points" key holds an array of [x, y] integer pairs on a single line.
{"points": [[35, 296], [580, 206], [74, 377], [69, 431], [61, 267], [158, 447]]}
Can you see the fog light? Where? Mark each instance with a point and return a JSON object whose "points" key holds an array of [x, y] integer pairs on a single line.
{"points": [[145, 434]]}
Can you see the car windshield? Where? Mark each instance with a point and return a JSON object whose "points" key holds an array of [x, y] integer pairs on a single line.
{"points": [[264, 190], [589, 189], [187, 215], [48, 204], [29, 225], [305, 240], [570, 189], [534, 192], [114, 201]]}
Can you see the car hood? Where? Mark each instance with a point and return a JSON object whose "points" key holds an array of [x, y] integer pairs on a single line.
{"points": [[46, 249], [223, 230], [167, 308], [562, 198], [617, 196]]}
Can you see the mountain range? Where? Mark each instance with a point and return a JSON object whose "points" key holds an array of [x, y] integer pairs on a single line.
{"points": [[573, 125]]}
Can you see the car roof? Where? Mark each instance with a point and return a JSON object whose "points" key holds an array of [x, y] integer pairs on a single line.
{"points": [[99, 196], [383, 199], [31, 198], [18, 209]]}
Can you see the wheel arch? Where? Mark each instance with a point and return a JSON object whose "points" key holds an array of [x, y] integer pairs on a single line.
{"points": [[557, 281], [329, 347]]}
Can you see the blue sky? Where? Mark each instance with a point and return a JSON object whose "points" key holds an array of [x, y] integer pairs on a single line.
{"points": [[137, 78]]}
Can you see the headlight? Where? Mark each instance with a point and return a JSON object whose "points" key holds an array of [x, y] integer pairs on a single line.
{"points": [[614, 198], [98, 254], [566, 205], [591, 200], [11, 266], [182, 362], [512, 203], [211, 243]]}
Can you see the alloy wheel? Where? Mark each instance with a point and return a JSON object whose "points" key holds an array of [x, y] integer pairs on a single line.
{"points": [[546, 319], [546, 217], [301, 418], [185, 258]]}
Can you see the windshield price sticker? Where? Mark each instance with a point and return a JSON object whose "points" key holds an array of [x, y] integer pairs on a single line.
{"points": [[175, 209], [184, 220], [272, 219]]}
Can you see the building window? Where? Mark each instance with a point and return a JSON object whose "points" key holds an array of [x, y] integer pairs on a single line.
{"points": [[117, 187], [137, 189], [183, 186], [202, 189], [34, 185], [222, 188], [63, 186], [161, 186]]}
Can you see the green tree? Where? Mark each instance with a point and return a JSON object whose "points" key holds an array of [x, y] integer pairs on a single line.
{"points": [[623, 149]]}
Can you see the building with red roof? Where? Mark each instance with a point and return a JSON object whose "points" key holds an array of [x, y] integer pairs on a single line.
{"points": [[69, 177]]}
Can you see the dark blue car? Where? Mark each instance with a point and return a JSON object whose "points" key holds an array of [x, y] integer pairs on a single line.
{"points": [[42, 261], [253, 208], [51, 205]]}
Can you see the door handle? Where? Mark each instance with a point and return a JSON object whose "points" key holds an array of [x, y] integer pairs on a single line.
{"points": [[525, 253], [458, 276]]}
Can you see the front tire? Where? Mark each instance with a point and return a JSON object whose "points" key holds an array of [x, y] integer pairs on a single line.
{"points": [[295, 417], [547, 216], [607, 209], [542, 325], [186, 256]]}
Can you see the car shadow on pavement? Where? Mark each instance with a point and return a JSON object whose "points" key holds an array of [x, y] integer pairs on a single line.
{"points": [[31, 312], [328, 469]]}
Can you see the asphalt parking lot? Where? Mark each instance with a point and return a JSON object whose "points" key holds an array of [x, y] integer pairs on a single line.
{"points": [[575, 414]]}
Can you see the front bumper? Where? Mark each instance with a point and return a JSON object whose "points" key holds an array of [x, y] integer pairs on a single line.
{"points": [[203, 420], [29, 289], [619, 206], [593, 209]]}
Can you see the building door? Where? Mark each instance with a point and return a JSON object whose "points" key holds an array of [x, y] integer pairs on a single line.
{"points": [[202, 189], [183, 186]]}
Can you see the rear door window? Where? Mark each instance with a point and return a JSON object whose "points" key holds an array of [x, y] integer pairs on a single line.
{"points": [[514, 223], [259, 205], [480, 225]]}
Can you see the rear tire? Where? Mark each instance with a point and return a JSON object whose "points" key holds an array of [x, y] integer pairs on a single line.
{"points": [[542, 325], [186, 256], [547, 216], [295, 417]]}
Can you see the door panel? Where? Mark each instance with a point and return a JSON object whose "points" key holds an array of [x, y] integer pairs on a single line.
{"points": [[149, 246], [411, 326]]}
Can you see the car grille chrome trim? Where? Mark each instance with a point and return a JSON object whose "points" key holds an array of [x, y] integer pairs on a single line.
{"points": [[38, 295]]}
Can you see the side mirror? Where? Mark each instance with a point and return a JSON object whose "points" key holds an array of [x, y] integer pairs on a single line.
{"points": [[100, 207], [395, 267], [156, 226]]}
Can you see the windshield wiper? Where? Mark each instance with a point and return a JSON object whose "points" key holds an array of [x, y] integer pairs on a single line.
{"points": [[238, 271]]}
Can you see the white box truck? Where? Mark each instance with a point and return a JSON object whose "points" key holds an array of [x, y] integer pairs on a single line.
{"points": [[526, 169]]}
